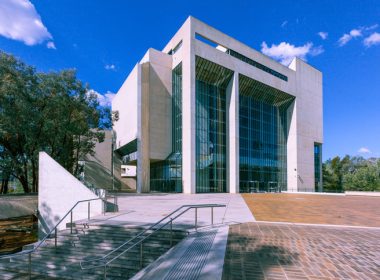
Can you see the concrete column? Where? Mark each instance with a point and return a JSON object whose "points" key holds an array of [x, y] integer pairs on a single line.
{"points": [[233, 134], [143, 153], [188, 111]]}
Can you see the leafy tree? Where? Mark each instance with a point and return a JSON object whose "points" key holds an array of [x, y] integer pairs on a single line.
{"points": [[52, 112], [351, 173]]}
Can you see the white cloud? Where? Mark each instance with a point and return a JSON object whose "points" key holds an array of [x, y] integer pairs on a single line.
{"points": [[354, 33], [51, 45], [323, 35], [20, 21], [371, 27], [103, 99], [371, 40], [285, 52], [284, 23], [110, 67], [364, 150]]}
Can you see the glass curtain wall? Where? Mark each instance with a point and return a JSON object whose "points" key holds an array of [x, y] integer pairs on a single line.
{"points": [[166, 176], [264, 117], [317, 167], [210, 91]]}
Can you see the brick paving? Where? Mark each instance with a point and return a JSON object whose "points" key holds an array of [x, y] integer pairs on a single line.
{"points": [[315, 209], [284, 251]]}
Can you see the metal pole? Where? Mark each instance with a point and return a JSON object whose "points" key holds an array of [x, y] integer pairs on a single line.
{"points": [[71, 222], [141, 255], [55, 241], [171, 232], [212, 215], [105, 272], [30, 265], [88, 210], [196, 217]]}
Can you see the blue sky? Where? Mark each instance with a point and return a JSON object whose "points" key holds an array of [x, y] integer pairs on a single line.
{"points": [[103, 40]]}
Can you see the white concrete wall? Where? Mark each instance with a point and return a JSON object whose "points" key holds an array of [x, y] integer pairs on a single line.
{"points": [[308, 119], [160, 103], [58, 192], [232, 111], [125, 102]]}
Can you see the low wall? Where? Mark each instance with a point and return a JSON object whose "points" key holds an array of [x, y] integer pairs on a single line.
{"points": [[363, 193], [58, 192]]}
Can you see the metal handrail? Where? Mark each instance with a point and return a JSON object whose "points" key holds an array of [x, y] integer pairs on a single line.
{"points": [[102, 259], [54, 229]]}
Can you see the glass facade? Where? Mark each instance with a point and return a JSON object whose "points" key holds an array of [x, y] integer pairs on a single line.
{"points": [[264, 115], [166, 176], [210, 94], [317, 167]]}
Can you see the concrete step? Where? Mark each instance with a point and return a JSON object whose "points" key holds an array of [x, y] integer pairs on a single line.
{"points": [[63, 262]]}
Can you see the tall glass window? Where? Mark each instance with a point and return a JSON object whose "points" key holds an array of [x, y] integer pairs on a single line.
{"points": [[210, 92], [263, 129], [318, 167], [166, 176]]}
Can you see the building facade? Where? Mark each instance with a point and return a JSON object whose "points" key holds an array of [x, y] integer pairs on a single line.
{"points": [[210, 114]]}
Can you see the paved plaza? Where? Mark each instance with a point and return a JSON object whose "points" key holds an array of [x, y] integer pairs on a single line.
{"points": [[315, 208], [278, 251]]}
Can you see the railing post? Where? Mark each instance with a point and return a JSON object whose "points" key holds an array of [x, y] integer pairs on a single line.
{"points": [[88, 210], [212, 215], [30, 265], [196, 217], [55, 237], [71, 222], [141, 255], [105, 272], [171, 232]]}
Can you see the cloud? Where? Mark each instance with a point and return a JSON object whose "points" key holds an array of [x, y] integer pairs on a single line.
{"points": [[20, 21], [348, 37], [368, 28], [323, 35], [364, 150], [373, 39], [284, 23], [104, 100], [285, 52], [110, 67], [51, 45]]}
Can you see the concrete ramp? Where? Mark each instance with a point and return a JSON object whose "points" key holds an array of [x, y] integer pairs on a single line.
{"points": [[58, 192], [199, 256]]}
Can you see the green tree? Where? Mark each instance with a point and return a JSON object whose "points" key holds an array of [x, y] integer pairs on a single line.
{"points": [[52, 112]]}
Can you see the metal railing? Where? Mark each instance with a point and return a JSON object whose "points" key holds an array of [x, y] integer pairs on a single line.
{"points": [[139, 239], [29, 252]]}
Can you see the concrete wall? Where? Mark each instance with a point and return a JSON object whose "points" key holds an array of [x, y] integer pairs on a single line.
{"points": [[308, 120], [160, 103], [126, 103], [98, 168], [58, 193]]}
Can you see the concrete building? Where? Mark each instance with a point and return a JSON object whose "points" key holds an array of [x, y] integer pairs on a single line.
{"points": [[210, 114]]}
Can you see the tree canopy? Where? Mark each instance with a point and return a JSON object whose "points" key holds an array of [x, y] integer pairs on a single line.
{"points": [[351, 173], [52, 112]]}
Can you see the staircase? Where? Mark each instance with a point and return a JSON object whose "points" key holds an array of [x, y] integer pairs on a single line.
{"points": [[89, 242]]}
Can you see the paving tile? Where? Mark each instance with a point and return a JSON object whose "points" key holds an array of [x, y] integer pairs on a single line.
{"points": [[291, 251], [315, 209]]}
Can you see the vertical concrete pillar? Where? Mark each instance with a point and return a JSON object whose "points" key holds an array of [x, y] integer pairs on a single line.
{"points": [[233, 134], [143, 155], [188, 110]]}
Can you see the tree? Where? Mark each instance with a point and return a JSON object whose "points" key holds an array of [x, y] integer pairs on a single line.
{"points": [[351, 173], [52, 112]]}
